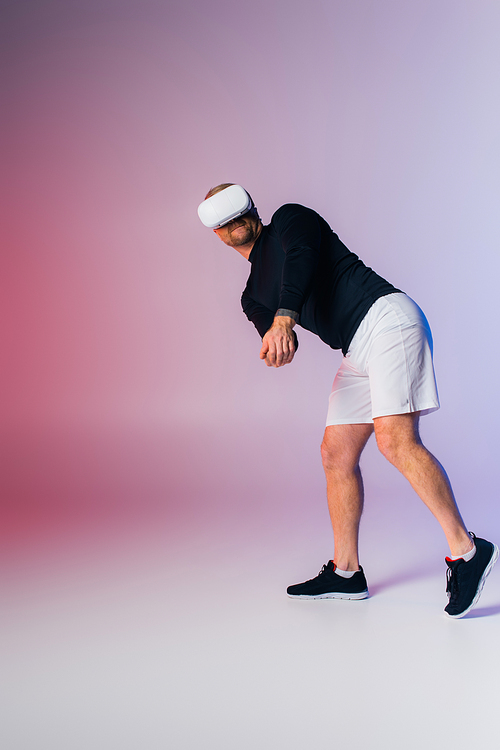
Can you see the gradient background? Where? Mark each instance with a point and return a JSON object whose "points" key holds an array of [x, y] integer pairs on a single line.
{"points": [[148, 457]]}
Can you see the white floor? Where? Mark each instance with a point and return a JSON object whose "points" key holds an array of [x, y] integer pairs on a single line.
{"points": [[145, 638]]}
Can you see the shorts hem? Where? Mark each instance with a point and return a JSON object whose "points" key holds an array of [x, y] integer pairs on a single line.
{"points": [[336, 422], [424, 410]]}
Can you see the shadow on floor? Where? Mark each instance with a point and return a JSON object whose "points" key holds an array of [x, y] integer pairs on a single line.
{"points": [[403, 576], [483, 612]]}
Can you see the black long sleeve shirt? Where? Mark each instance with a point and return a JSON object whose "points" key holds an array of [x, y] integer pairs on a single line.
{"points": [[299, 264]]}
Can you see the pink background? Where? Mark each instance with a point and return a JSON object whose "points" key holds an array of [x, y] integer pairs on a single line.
{"points": [[133, 398], [121, 312]]}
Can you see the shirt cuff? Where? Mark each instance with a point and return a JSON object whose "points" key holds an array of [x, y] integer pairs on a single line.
{"points": [[281, 312]]}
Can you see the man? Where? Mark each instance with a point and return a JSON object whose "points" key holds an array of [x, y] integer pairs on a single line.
{"points": [[303, 274]]}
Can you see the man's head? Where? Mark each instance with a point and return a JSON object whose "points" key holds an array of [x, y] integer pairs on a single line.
{"points": [[242, 231]]}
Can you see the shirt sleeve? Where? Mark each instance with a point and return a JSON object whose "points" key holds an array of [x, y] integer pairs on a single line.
{"points": [[260, 316], [299, 231]]}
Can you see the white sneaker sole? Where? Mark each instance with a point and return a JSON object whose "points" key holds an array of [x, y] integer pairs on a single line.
{"points": [[331, 595], [483, 578]]}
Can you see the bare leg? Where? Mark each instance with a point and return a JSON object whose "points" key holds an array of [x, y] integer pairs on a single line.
{"points": [[399, 441], [341, 449]]}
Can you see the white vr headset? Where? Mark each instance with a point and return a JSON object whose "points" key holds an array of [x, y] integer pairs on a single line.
{"points": [[225, 206]]}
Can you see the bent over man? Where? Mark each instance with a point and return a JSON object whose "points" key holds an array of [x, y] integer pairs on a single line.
{"points": [[302, 274]]}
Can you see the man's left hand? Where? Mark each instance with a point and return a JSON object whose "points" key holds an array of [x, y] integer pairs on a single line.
{"points": [[278, 344]]}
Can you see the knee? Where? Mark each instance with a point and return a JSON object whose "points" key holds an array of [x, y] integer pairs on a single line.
{"points": [[335, 458], [391, 447], [342, 446], [327, 455]]}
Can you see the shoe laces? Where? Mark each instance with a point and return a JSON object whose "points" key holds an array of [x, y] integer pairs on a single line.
{"points": [[326, 568]]}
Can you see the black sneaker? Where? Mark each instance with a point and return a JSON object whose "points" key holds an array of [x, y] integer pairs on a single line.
{"points": [[465, 580], [329, 585]]}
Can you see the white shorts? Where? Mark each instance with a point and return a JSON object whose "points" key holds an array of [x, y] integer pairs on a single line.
{"points": [[388, 368]]}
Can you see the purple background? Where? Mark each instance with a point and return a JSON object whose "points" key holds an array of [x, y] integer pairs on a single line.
{"points": [[133, 397], [123, 311]]}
